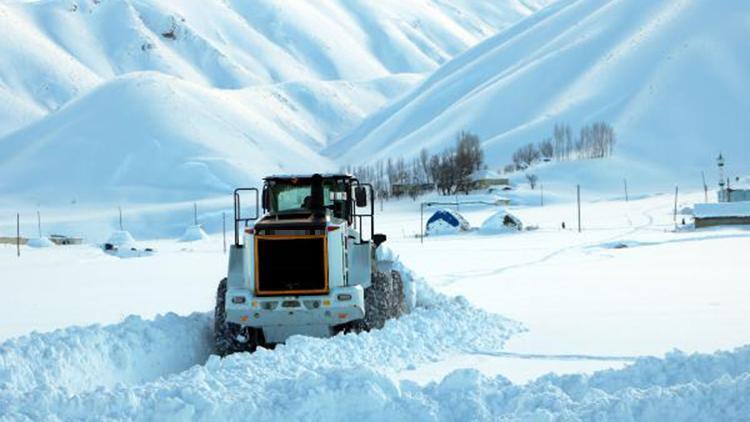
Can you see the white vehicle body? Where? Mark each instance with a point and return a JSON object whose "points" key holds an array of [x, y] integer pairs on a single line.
{"points": [[276, 283]]}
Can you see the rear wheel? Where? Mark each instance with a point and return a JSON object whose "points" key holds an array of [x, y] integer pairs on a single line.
{"points": [[230, 337]]}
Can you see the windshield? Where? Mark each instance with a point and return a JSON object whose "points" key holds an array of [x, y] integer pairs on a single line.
{"points": [[294, 197]]}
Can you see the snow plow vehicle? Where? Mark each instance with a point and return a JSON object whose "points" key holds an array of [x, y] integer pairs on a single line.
{"points": [[304, 267]]}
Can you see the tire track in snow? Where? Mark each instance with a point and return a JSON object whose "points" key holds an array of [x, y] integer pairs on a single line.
{"points": [[454, 278]]}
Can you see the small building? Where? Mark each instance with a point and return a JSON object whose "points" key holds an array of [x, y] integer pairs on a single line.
{"points": [[737, 191], [401, 189], [722, 214], [482, 179], [445, 221], [59, 239]]}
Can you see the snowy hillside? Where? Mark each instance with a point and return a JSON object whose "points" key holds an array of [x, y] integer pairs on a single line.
{"points": [[55, 50], [667, 75], [139, 136], [157, 100]]}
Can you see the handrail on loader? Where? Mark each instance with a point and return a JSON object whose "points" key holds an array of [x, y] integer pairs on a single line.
{"points": [[238, 214]]}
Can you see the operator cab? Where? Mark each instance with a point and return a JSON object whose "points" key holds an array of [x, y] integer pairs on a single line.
{"points": [[291, 197]]}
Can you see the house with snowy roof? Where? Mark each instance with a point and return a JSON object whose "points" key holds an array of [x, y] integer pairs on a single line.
{"points": [[484, 178], [722, 214]]}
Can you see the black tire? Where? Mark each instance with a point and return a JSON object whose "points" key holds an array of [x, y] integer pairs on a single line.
{"points": [[230, 337], [384, 299]]}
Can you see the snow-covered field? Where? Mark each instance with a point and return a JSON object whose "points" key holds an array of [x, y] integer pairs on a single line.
{"points": [[495, 314]]}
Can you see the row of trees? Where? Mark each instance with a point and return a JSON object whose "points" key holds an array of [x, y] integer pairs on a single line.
{"points": [[593, 141], [449, 171]]}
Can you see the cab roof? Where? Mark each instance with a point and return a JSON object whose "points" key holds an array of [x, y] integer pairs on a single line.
{"points": [[280, 177]]}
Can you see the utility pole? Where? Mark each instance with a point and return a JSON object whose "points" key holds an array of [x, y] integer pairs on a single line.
{"points": [[625, 181], [705, 187], [39, 223], [120, 210], [195, 213], [676, 189], [541, 188], [421, 222], [578, 190], [18, 235]]}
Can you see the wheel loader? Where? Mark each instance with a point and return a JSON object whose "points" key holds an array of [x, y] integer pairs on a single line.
{"points": [[306, 266]]}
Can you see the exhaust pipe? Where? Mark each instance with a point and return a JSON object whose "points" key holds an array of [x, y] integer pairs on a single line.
{"points": [[316, 196]]}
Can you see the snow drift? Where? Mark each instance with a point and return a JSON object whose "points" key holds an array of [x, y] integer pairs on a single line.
{"points": [[139, 369], [446, 221], [501, 222], [156, 370], [666, 75]]}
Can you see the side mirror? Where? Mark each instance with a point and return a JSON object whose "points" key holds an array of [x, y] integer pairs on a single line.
{"points": [[265, 199], [378, 238], [360, 196]]}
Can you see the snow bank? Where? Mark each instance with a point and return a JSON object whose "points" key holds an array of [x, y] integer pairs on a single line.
{"points": [[193, 234], [306, 378], [121, 238], [501, 222], [40, 242], [78, 359], [342, 379]]}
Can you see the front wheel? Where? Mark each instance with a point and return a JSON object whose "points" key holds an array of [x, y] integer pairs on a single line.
{"points": [[230, 337], [384, 299]]}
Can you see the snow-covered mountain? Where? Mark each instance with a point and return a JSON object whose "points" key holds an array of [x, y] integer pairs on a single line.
{"points": [[54, 50], [144, 134], [145, 99], [669, 76]]}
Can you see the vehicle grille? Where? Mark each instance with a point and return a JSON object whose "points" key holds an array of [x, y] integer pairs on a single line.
{"points": [[291, 265]]}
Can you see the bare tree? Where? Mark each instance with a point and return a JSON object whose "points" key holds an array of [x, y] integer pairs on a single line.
{"points": [[424, 161], [469, 158], [559, 136], [546, 148], [525, 156], [532, 179]]}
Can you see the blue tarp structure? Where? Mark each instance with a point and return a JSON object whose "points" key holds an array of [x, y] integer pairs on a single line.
{"points": [[446, 221]]}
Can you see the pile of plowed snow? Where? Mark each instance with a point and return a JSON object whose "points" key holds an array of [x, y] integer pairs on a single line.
{"points": [[139, 369], [77, 373], [163, 369]]}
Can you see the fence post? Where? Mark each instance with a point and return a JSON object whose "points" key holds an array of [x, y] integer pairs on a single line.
{"points": [[18, 234], [421, 222], [578, 194], [625, 181], [541, 188]]}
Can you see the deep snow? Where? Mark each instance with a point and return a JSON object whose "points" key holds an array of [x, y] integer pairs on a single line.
{"points": [[629, 287]]}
